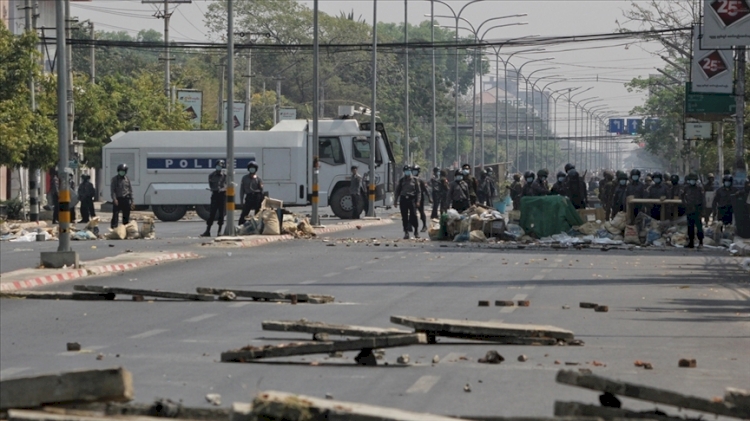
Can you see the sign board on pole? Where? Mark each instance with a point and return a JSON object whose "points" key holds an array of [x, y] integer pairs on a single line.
{"points": [[726, 23], [652, 124], [617, 125], [287, 114], [711, 69], [238, 111], [634, 125], [193, 102], [700, 131], [708, 107]]}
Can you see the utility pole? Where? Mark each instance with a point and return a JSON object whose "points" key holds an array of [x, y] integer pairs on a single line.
{"points": [[434, 110], [407, 152], [373, 122], [248, 91], [166, 15], [720, 144], [93, 55], [316, 98], [220, 111], [30, 16], [69, 65], [740, 167], [229, 230], [277, 114]]}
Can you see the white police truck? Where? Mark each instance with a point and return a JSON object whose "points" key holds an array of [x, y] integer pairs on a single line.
{"points": [[169, 169]]}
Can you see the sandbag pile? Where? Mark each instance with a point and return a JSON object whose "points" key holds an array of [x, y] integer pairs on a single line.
{"points": [[275, 220], [26, 232], [475, 224]]}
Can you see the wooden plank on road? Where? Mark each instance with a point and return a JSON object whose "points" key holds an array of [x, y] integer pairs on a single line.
{"points": [[304, 348], [270, 295], [575, 409], [281, 405], [26, 415], [146, 293], [651, 394], [484, 331], [51, 295], [74, 386], [319, 327]]}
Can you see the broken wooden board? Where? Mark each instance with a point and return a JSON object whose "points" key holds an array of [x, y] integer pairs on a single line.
{"points": [[74, 386], [26, 415], [575, 409], [50, 295], [319, 327], [290, 407], [651, 394], [738, 397], [269, 295], [481, 331], [163, 408], [145, 293], [304, 348]]}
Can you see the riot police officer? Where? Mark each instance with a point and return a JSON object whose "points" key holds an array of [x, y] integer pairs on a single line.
{"points": [[122, 196], [408, 195], [217, 183], [252, 190]]}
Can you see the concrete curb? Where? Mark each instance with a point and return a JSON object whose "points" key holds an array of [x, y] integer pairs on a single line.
{"points": [[334, 228], [87, 271]]}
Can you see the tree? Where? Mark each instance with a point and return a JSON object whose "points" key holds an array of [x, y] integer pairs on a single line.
{"points": [[26, 137]]}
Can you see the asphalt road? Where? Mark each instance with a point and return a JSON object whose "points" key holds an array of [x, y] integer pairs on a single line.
{"points": [[663, 306]]}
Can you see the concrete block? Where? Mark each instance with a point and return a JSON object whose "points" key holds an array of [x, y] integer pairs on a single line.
{"points": [[58, 259]]}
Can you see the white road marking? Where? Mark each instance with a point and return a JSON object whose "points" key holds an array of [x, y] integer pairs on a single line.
{"points": [[11, 371], [351, 268], [308, 282], [546, 270], [87, 350], [148, 334], [423, 384], [558, 260], [238, 305], [331, 275], [197, 341], [516, 298], [529, 287], [199, 318], [388, 257], [538, 277], [371, 262]]}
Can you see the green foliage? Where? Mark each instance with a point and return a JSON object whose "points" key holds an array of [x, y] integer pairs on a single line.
{"points": [[13, 209]]}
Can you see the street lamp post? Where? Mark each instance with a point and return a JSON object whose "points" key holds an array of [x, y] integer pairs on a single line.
{"points": [[582, 104], [526, 110], [541, 112], [592, 136], [518, 120], [569, 103], [545, 151]]}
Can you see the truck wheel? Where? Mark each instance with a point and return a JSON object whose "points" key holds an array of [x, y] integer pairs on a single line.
{"points": [[341, 204], [169, 213], [204, 211]]}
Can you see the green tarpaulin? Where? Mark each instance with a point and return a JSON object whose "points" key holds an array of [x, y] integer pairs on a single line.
{"points": [[548, 215]]}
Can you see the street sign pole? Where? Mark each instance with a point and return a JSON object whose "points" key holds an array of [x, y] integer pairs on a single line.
{"points": [[316, 86], [229, 230], [740, 166]]}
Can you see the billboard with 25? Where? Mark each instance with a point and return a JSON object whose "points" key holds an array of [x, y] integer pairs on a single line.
{"points": [[726, 23], [711, 70]]}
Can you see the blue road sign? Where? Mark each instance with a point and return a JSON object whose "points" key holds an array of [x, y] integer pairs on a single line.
{"points": [[617, 125], [634, 125], [652, 124]]}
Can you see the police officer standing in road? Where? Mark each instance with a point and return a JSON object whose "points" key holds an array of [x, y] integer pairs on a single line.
{"points": [[619, 196], [408, 195], [516, 191], [424, 198], [252, 190], [471, 182], [458, 192], [657, 190], [694, 199], [540, 186], [357, 192], [636, 189], [217, 183], [435, 192], [722, 206], [87, 195], [54, 195], [122, 196], [559, 187], [487, 189]]}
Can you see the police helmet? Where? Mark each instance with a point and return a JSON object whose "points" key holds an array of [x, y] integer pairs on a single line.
{"points": [[222, 163], [457, 173], [489, 170], [122, 167], [675, 179], [560, 174], [569, 167], [529, 174], [727, 178], [436, 170], [657, 175], [464, 166], [252, 164], [406, 168], [635, 171], [711, 175], [542, 173], [621, 175], [416, 168], [692, 176]]}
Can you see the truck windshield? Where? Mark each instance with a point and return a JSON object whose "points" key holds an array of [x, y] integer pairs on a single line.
{"points": [[361, 150], [330, 151]]}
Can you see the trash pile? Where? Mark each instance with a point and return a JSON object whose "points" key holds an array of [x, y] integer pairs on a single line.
{"points": [[273, 219], [131, 231], [476, 225], [27, 232]]}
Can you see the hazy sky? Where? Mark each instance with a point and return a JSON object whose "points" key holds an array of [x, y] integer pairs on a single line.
{"points": [[611, 62]]}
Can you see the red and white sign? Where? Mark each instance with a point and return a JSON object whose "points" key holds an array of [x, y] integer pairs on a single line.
{"points": [[726, 23], [711, 70]]}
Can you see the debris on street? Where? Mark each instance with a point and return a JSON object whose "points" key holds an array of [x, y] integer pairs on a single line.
{"points": [[485, 331], [332, 329], [646, 393], [269, 296], [687, 363], [144, 292], [70, 387], [53, 295], [250, 353]]}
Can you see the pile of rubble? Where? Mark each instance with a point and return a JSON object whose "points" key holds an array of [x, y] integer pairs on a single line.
{"points": [[39, 231], [26, 232], [273, 219]]}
